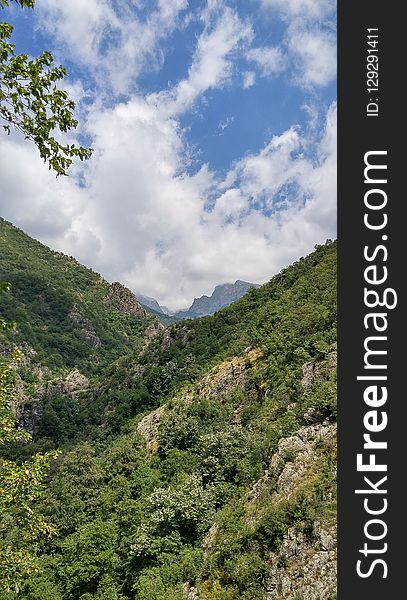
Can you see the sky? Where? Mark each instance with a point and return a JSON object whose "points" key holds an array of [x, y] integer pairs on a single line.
{"points": [[213, 124]]}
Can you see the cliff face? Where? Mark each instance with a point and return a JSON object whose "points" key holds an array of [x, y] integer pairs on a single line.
{"points": [[124, 300], [222, 296], [304, 564]]}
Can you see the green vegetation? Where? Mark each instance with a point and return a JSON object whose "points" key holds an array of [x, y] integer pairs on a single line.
{"points": [[154, 493], [31, 103], [164, 319], [20, 485], [68, 314]]}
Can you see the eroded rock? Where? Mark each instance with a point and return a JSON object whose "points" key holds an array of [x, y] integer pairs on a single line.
{"points": [[315, 370], [124, 300], [148, 428]]}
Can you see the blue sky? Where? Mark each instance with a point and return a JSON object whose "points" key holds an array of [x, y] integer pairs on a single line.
{"points": [[214, 129]]}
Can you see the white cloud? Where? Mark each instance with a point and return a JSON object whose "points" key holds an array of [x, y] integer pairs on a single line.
{"points": [[142, 219], [271, 61], [305, 9], [114, 45], [249, 79], [273, 166], [31, 196], [309, 39], [314, 54], [211, 65]]}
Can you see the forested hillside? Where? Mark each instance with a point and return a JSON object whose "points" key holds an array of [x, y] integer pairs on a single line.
{"points": [[67, 314], [198, 465]]}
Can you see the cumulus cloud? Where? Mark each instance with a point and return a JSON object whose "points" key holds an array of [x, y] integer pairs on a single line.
{"points": [[111, 41], [271, 61], [309, 39], [212, 62], [314, 54], [135, 212], [143, 220], [30, 195], [305, 9], [249, 79]]}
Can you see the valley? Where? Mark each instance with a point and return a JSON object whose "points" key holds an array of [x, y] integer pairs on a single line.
{"points": [[198, 460]]}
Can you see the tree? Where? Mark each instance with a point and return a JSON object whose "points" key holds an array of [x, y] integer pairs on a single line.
{"points": [[31, 102], [20, 486]]}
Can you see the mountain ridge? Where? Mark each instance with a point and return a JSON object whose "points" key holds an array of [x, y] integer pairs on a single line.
{"points": [[152, 303], [69, 314], [222, 296]]}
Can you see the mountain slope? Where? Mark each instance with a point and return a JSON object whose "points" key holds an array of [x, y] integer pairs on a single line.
{"points": [[68, 314], [204, 467], [296, 305], [165, 318], [222, 296]]}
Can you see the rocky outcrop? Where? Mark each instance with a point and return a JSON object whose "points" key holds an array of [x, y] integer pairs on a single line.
{"points": [[218, 382], [124, 300], [29, 411], [227, 375], [167, 340], [209, 539], [152, 330], [314, 370], [72, 383], [86, 327], [29, 408], [148, 428], [304, 566], [295, 457]]}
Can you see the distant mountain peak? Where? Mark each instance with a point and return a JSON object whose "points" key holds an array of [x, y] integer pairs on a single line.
{"points": [[153, 304], [223, 295]]}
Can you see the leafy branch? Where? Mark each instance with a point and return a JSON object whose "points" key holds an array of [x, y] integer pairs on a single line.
{"points": [[31, 102]]}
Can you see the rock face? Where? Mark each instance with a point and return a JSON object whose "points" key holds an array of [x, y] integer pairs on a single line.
{"points": [[223, 295], [28, 414], [312, 371], [85, 325], [219, 381], [124, 300], [152, 330], [73, 382], [148, 428], [227, 375], [304, 566], [301, 451], [29, 409]]}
